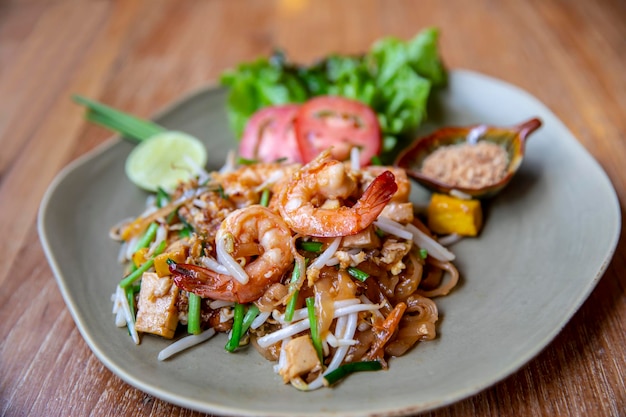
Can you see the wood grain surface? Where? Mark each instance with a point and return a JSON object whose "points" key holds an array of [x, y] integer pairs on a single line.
{"points": [[141, 55]]}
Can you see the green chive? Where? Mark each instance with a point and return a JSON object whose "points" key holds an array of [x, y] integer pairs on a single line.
{"points": [[291, 305], [251, 314], [162, 197], [185, 232], [235, 333], [136, 287], [128, 132], [193, 315], [379, 232], [375, 160], [358, 274], [315, 336], [130, 295], [135, 275], [265, 198], [221, 192], [187, 229], [311, 246], [123, 123], [423, 253], [351, 367], [147, 237], [246, 161]]}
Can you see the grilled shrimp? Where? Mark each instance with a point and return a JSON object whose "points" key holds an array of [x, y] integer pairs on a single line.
{"points": [[313, 201], [245, 184], [257, 238]]}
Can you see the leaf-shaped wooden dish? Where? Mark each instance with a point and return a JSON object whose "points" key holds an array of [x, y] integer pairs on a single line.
{"points": [[512, 139]]}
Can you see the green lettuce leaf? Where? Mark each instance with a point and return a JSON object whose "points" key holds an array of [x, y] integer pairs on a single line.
{"points": [[395, 78]]}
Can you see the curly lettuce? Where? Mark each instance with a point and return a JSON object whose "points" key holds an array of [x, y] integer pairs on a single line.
{"points": [[394, 77]]}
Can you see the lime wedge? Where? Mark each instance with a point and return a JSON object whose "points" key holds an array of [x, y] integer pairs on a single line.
{"points": [[165, 159]]}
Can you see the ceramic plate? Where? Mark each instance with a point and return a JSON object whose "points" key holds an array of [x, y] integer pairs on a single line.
{"points": [[547, 240]]}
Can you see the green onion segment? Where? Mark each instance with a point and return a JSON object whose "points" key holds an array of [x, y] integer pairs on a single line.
{"points": [[135, 275], [351, 367], [291, 305], [315, 336], [236, 331], [310, 246], [265, 198], [193, 316], [125, 124], [251, 314], [358, 274]]}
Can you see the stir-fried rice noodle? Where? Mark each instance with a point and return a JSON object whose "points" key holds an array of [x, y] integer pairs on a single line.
{"points": [[370, 278]]}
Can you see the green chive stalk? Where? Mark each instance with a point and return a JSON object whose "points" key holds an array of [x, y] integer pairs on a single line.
{"points": [[147, 237], [251, 314], [358, 274], [265, 198], [130, 296], [236, 331], [315, 335], [351, 367], [136, 274], [125, 124], [245, 161], [291, 304], [315, 247], [193, 315]]}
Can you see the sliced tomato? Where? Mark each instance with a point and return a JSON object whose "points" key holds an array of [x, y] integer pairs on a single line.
{"points": [[269, 135], [340, 123]]}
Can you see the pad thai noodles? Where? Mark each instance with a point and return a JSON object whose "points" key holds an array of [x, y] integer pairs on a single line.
{"points": [[323, 268]]}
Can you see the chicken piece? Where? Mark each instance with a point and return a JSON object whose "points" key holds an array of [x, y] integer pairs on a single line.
{"points": [[156, 310], [301, 358]]}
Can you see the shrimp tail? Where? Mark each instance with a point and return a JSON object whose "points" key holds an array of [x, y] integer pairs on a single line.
{"points": [[203, 282], [375, 198]]}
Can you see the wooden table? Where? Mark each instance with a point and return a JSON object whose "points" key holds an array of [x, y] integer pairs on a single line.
{"points": [[140, 55]]}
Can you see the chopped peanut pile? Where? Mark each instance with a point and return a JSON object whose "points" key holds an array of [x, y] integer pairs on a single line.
{"points": [[467, 165]]}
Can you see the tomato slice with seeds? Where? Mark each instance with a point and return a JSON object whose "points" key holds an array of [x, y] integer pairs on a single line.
{"points": [[340, 123], [269, 135]]}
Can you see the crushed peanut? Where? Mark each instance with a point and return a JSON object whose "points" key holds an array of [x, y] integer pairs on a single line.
{"points": [[467, 165]]}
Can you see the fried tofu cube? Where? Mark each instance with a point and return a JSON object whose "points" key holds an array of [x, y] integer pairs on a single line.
{"points": [[156, 309], [301, 358], [399, 212], [365, 239], [448, 215]]}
